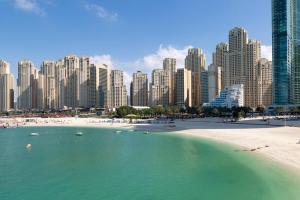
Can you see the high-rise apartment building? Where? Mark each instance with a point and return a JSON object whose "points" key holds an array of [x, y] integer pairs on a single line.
{"points": [[49, 86], [6, 87], [41, 92], [264, 82], [84, 73], [235, 70], [159, 88], [195, 62], [214, 81], [118, 89], [61, 82], [286, 51], [99, 86], [139, 89], [169, 65], [251, 72], [72, 86], [183, 88], [27, 85], [221, 59], [204, 86]]}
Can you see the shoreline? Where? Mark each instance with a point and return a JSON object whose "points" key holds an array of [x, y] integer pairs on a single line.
{"points": [[275, 143]]}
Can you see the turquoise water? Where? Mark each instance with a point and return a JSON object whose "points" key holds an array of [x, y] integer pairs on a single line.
{"points": [[102, 164]]}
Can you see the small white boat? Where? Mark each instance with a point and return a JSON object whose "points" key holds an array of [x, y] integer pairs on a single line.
{"points": [[79, 134], [28, 146], [34, 134], [118, 131]]}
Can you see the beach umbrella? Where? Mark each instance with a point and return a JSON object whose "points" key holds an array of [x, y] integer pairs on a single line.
{"points": [[131, 116]]}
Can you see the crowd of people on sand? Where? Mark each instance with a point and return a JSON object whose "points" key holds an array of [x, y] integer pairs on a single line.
{"points": [[16, 122]]}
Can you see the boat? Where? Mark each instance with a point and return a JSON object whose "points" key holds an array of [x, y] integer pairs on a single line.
{"points": [[34, 134], [79, 134], [147, 132], [28, 146], [118, 131], [131, 130]]}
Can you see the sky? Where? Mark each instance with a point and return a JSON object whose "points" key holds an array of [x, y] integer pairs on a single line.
{"points": [[127, 34]]}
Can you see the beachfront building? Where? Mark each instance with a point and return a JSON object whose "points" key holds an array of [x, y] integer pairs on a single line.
{"points": [[84, 73], [230, 97], [104, 86], [99, 86], [204, 86], [27, 85], [220, 60], [159, 88], [286, 51], [264, 82], [236, 65], [7, 87], [251, 73], [49, 85], [169, 65], [195, 62], [60, 84], [72, 77], [183, 88], [139, 89], [214, 81], [118, 89]]}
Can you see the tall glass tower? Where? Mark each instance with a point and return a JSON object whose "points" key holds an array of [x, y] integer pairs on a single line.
{"points": [[286, 51]]}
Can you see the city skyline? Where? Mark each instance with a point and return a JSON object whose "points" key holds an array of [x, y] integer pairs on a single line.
{"points": [[144, 51]]}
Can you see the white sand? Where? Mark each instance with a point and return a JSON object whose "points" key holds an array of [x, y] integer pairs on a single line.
{"points": [[249, 134]]}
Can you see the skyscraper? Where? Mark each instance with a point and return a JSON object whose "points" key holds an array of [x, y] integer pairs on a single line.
{"points": [[60, 80], [183, 88], [118, 89], [204, 86], [169, 65], [251, 73], [264, 81], [84, 68], [6, 87], [105, 87], [195, 62], [49, 86], [235, 70], [72, 86], [27, 76], [139, 89], [214, 81], [220, 59], [99, 86], [159, 88], [286, 51]]}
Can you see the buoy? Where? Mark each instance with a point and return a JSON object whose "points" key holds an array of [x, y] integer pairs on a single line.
{"points": [[28, 146]]}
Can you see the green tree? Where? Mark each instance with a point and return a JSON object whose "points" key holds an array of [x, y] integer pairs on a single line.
{"points": [[260, 109], [125, 110], [215, 112]]}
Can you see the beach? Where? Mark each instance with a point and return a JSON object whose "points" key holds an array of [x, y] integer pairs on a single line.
{"points": [[275, 142]]}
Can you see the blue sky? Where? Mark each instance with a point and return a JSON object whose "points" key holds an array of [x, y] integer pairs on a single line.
{"points": [[129, 34]]}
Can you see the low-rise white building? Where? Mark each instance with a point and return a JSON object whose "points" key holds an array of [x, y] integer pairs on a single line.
{"points": [[230, 97]]}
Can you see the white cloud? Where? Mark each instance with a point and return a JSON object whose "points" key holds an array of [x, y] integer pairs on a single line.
{"points": [[266, 52], [101, 12], [29, 6], [145, 64], [102, 59], [155, 60]]}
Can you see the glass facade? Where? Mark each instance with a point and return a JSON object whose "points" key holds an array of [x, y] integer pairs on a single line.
{"points": [[286, 51]]}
